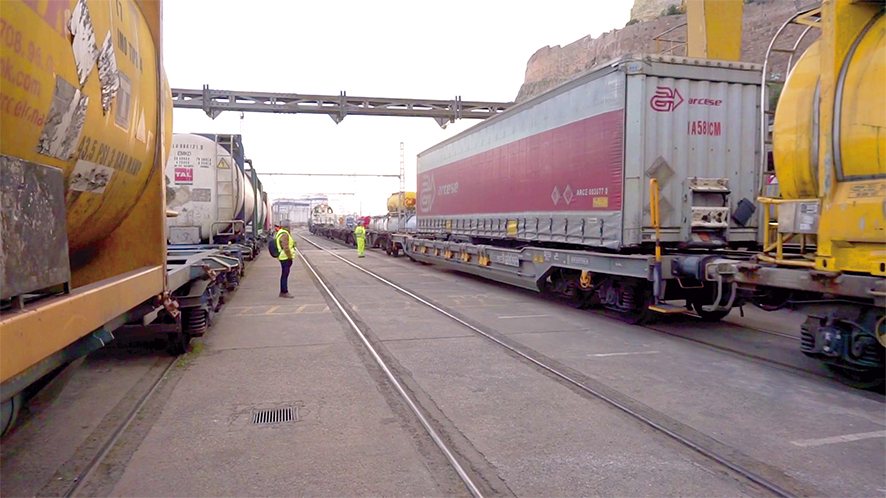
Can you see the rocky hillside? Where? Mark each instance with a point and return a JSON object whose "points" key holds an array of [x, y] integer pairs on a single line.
{"points": [[647, 10], [551, 66]]}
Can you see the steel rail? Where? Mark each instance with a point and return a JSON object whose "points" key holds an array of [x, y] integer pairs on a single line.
{"points": [[87, 472], [378, 360], [751, 476], [760, 359]]}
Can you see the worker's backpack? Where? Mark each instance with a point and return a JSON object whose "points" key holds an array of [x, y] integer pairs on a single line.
{"points": [[272, 246]]}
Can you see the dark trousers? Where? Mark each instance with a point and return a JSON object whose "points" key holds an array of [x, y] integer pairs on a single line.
{"points": [[284, 276]]}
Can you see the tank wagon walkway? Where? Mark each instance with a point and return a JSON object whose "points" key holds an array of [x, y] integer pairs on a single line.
{"points": [[281, 397]]}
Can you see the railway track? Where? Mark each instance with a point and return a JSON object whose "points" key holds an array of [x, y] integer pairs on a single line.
{"points": [[76, 478], [761, 475], [810, 368], [756, 474], [83, 479], [438, 440]]}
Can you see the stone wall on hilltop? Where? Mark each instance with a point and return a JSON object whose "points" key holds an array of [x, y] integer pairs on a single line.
{"points": [[551, 66], [647, 10]]}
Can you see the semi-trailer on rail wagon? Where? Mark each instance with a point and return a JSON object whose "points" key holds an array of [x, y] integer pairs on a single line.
{"points": [[638, 186], [572, 192]]}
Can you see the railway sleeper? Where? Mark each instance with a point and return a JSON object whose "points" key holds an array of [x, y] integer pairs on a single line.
{"points": [[850, 343]]}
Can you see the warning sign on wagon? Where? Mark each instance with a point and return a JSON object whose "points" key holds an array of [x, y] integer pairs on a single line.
{"points": [[184, 176]]}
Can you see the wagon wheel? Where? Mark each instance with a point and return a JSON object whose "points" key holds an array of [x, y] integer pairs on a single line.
{"points": [[177, 341], [859, 379], [9, 412], [639, 313]]}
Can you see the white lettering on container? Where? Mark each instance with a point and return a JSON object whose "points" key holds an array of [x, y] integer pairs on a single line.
{"points": [[448, 189]]}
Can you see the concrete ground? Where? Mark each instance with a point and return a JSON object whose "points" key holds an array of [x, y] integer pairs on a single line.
{"points": [[517, 429], [533, 433], [63, 426], [196, 438], [778, 417]]}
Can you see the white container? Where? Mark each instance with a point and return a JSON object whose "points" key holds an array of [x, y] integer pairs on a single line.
{"points": [[204, 185], [300, 214], [297, 211], [574, 164]]}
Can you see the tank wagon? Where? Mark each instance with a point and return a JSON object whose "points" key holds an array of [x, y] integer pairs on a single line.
{"points": [[260, 221], [380, 230], [267, 221], [215, 195], [220, 213], [640, 187], [84, 136], [824, 243]]}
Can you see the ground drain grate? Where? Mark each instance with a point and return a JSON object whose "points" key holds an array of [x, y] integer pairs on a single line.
{"points": [[277, 416]]}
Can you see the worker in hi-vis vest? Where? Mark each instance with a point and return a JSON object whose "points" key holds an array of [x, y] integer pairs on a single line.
{"points": [[286, 249], [360, 235]]}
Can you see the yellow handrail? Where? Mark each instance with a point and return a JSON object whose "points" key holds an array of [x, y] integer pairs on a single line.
{"points": [[654, 214], [788, 262], [674, 44], [780, 238], [773, 200]]}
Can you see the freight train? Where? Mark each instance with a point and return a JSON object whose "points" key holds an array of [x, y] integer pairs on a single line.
{"points": [[85, 131], [642, 187], [380, 230], [219, 212], [215, 195], [325, 223]]}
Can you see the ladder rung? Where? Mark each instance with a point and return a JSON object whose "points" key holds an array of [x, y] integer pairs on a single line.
{"points": [[777, 82], [784, 50], [767, 111]]}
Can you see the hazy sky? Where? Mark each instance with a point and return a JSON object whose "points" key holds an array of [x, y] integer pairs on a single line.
{"points": [[409, 49]]}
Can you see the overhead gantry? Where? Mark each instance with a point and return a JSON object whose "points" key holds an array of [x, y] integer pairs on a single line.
{"points": [[213, 102]]}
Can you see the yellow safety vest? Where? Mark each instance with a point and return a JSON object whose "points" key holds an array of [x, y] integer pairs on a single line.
{"points": [[278, 239], [360, 231]]}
